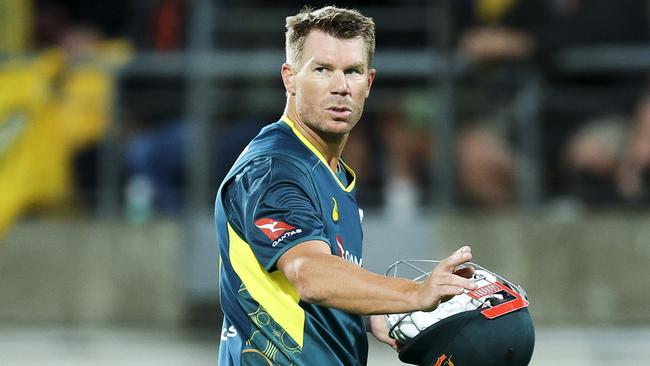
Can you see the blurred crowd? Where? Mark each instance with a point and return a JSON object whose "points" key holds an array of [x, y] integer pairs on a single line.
{"points": [[593, 123], [594, 126]]}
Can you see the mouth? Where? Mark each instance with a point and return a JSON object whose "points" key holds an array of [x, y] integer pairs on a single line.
{"points": [[340, 112]]}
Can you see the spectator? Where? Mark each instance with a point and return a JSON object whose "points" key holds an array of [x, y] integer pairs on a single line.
{"points": [[633, 176], [608, 159], [536, 31], [591, 160]]}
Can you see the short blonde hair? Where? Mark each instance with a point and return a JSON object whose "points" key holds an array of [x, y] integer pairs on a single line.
{"points": [[337, 22]]}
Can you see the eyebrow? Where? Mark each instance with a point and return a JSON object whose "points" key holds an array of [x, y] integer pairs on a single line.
{"points": [[359, 66], [328, 65]]}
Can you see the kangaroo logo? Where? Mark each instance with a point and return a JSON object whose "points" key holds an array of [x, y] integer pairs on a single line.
{"points": [[273, 229]]}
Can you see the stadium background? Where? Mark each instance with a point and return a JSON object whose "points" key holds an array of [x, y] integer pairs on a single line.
{"points": [[523, 132]]}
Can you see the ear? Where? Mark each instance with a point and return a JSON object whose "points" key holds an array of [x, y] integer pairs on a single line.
{"points": [[288, 75], [371, 77]]}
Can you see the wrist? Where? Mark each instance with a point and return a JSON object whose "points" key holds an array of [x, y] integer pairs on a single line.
{"points": [[425, 299], [419, 296]]}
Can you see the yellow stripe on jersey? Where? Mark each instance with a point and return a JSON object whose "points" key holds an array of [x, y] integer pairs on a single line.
{"points": [[271, 290], [320, 156]]}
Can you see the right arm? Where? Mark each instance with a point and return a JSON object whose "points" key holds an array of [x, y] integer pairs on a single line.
{"points": [[323, 279], [280, 194]]}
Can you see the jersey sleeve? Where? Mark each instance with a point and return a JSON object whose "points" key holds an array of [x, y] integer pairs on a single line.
{"points": [[273, 205]]}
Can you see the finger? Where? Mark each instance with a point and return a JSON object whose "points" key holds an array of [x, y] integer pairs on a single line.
{"points": [[462, 255], [463, 282], [450, 279], [450, 291]]}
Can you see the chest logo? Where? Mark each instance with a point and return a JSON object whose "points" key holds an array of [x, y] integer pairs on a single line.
{"points": [[345, 254], [335, 211], [273, 229]]}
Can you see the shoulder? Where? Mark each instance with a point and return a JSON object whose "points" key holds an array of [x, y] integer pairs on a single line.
{"points": [[264, 172], [273, 169], [273, 157], [269, 182], [278, 141]]}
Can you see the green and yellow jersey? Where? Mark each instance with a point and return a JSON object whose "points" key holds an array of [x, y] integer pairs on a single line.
{"points": [[280, 193]]}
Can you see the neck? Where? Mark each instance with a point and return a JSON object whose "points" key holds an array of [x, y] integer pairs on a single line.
{"points": [[329, 145]]}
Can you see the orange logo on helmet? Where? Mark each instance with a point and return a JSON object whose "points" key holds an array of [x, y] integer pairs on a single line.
{"points": [[443, 361]]}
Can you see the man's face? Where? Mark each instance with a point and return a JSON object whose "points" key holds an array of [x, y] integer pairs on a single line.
{"points": [[332, 83]]}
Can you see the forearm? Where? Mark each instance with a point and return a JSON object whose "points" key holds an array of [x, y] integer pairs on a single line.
{"points": [[329, 281]]}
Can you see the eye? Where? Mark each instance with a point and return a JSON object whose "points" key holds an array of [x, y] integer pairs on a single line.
{"points": [[320, 70], [353, 72]]}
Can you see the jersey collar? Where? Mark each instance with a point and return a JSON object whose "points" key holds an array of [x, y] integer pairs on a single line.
{"points": [[320, 156]]}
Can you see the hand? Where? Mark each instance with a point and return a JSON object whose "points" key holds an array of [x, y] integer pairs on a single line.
{"points": [[447, 280], [379, 329]]}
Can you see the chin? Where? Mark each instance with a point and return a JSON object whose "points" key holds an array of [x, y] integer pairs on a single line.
{"points": [[341, 127]]}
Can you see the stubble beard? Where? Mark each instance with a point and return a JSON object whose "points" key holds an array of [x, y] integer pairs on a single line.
{"points": [[318, 122], [321, 126]]}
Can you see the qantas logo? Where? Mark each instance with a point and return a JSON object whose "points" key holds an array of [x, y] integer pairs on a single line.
{"points": [[345, 254], [272, 228], [276, 230]]}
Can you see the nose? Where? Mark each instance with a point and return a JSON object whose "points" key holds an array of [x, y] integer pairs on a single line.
{"points": [[339, 83]]}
